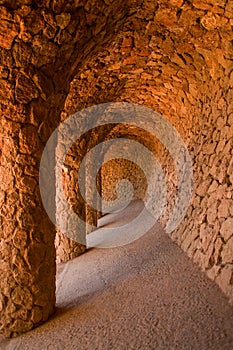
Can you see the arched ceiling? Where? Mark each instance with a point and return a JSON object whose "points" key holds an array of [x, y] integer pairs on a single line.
{"points": [[169, 56]]}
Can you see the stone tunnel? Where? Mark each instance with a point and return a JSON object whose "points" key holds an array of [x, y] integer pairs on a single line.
{"points": [[59, 57]]}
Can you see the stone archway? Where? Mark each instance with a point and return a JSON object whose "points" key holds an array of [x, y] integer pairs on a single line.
{"points": [[42, 46], [176, 59], [172, 56]]}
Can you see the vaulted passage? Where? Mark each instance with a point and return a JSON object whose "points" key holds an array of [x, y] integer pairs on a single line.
{"points": [[59, 57]]}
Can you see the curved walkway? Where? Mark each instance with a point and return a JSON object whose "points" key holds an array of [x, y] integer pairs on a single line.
{"points": [[146, 295]]}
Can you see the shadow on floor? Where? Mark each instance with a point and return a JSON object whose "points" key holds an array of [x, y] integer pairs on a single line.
{"points": [[143, 296]]}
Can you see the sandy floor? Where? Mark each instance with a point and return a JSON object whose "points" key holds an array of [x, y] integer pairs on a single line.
{"points": [[146, 295]]}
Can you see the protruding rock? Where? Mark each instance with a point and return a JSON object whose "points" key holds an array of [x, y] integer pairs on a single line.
{"points": [[227, 229], [63, 20], [25, 89]]}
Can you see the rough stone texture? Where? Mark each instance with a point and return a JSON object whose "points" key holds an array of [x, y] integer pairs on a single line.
{"points": [[67, 248], [175, 58], [172, 56], [128, 298], [41, 47], [114, 171]]}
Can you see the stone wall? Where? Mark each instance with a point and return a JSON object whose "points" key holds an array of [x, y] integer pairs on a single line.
{"points": [[206, 233], [175, 58], [114, 171]]}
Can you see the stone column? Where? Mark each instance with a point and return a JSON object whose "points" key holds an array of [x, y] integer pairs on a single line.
{"points": [[91, 198], [93, 179], [33, 88], [99, 189], [70, 237], [27, 253]]}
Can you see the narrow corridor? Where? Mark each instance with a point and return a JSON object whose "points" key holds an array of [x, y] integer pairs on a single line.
{"points": [[145, 295]]}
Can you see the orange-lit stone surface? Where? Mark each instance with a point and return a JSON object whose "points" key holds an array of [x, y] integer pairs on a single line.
{"points": [[58, 57]]}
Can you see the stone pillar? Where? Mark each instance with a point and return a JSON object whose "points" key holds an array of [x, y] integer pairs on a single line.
{"points": [[27, 253], [71, 246], [93, 180], [33, 88], [99, 189], [71, 243], [91, 198]]}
